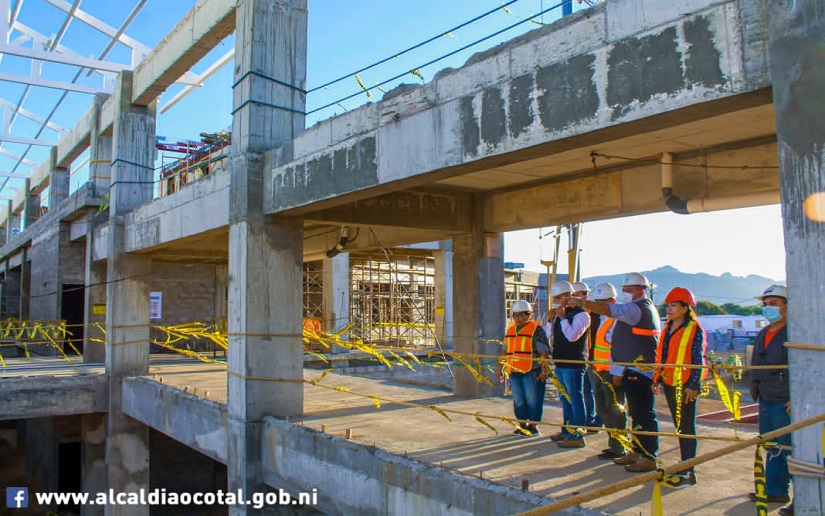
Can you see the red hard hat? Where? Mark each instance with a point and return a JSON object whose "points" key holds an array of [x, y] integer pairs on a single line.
{"points": [[681, 294]]}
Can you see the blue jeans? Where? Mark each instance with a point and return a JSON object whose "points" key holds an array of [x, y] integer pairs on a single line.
{"points": [[572, 379], [591, 415], [772, 416], [528, 396], [640, 408]]}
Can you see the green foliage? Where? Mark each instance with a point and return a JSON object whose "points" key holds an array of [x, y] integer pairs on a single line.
{"points": [[735, 309], [708, 308]]}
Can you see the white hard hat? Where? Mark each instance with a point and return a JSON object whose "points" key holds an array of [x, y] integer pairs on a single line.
{"points": [[776, 291], [561, 287], [605, 291], [635, 278], [580, 286], [520, 306]]}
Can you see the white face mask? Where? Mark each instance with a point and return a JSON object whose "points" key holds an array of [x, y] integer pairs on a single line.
{"points": [[556, 305], [625, 297]]}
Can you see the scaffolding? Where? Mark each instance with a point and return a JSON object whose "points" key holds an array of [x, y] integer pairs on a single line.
{"points": [[314, 290], [392, 300]]}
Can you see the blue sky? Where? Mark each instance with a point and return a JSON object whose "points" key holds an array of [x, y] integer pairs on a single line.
{"points": [[347, 36]]}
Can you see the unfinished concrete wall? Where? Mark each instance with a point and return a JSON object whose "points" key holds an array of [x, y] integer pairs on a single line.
{"points": [[619, 62], [10, 297]]}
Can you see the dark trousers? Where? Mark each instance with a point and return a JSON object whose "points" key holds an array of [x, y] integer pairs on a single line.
{"points": [[640, 408], [591, 415], [609, 398], [687, 423]]}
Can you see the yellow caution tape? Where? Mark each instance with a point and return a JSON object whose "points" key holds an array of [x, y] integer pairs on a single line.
{"points": [[759, 482], [656, 500], [361, 83]]}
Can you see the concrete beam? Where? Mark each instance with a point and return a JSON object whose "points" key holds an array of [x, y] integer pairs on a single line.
{"points": [[198, 423], [208, 23], [46, 396], [422, 210], [200, 207], [73, 143]]}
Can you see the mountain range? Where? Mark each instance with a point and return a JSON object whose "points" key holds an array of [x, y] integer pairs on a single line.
{"points": [[726, 288]]}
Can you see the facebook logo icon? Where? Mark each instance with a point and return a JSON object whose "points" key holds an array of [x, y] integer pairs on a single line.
{"points": [[17, 497]]}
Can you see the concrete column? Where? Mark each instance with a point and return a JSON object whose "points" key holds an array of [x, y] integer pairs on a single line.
{"points": [[265, 254], [796, 50], [31, 207], [444, 293], [478, 303], [100, 152], [58, 182], [127, 293], [336, 294], [93, 436], [25, 284], [95, 298]]}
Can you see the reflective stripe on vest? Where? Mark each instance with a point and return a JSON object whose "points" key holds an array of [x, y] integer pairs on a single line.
{"points": [[602, 348], [520, 347], [676, 354]]}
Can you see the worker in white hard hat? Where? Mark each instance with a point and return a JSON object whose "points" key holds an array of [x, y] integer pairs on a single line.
{"points": [[635, 338], [568, 332], [771, 388], [591, 417], [610, 399], [525, 343]]}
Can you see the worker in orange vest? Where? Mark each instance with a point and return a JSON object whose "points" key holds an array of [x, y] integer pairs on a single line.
{"points": [[682, 343], [525, 342]]}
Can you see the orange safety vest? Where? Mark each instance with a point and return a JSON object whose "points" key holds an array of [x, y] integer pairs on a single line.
{"points": [[679, 352], [602, 348], [520, 347]]}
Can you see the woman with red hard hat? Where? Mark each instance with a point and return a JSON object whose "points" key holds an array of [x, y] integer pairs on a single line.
{"points": [[682, 343]]}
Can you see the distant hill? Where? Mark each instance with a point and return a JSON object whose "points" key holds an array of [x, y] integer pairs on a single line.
{"points": [[726, 288]]}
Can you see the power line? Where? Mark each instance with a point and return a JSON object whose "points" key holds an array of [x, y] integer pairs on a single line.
{"points": [[441, 58], [410, 49]]}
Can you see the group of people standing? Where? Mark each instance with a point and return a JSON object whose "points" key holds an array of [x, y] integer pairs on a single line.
{"points": [[633, 357]]}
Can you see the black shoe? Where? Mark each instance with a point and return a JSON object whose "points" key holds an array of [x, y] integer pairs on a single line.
{"points": [[771, 498], [534, 430], [522, 431], [609, 455], [786, 511], [558, 437]]}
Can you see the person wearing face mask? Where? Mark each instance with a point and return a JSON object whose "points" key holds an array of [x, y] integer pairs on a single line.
{"points": [[682, 342], [568, 333], [635, 338], [771, 388]]}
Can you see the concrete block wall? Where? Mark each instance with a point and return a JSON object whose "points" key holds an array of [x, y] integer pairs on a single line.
{"points": [[42, 438], [191, 293], [44, 303]]}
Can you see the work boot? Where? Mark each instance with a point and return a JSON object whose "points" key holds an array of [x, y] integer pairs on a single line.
{"points": [[642, 465], [628, 458], [786, 511], [558, 437]]}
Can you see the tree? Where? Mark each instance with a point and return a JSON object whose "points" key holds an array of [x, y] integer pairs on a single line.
{"points": [[735, 309], [708, 308]]}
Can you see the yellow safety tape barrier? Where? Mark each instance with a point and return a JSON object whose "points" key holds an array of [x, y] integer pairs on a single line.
{"points": [[360, 83], [759, 481]]}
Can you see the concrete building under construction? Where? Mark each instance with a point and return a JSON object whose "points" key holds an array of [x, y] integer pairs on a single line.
{"points": [[627, 108]]}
